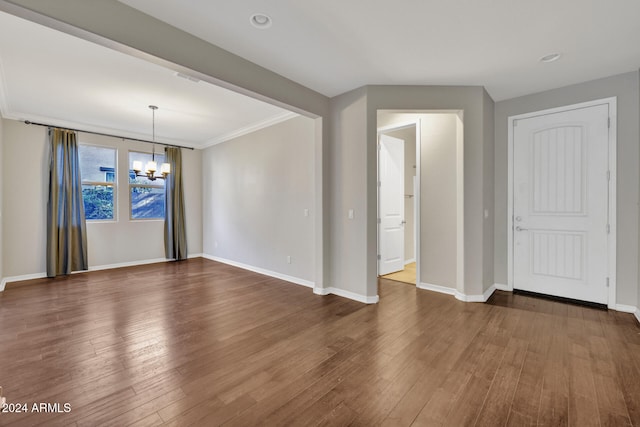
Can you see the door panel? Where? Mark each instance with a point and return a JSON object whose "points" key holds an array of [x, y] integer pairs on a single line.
{"points": [[391, 204], [561, 203]]}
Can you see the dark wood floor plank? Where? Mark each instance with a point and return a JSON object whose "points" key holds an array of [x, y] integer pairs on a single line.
{"points": [[203, 343], [498, 402], [437, 409], [410, 405]]}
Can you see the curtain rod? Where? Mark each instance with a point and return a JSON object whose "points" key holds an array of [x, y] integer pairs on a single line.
{"points": [[108, 134]]}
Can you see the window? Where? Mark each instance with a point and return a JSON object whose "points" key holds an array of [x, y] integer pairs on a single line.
{"points": [[146, 196], [97, 169]]}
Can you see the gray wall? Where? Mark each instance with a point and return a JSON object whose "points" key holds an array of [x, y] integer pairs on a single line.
{"points": [[471, 100], [25, 199], [438, 200], [626, 88], [351, 242], [255, 190], [488, 194], [1, 194], [438, 193], [117, 242]]}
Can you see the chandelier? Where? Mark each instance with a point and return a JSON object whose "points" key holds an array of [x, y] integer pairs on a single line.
{"points": [[152, 166]]}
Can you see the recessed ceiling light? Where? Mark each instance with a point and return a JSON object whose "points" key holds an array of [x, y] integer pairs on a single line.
{"points": [[260, 20], [550, 58]]}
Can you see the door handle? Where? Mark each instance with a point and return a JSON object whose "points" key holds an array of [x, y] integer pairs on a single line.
{"points": [[518, 228], [403, 222]]}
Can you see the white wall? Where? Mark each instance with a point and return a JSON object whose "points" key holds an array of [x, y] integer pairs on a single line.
{"points": [[116, 242], [255, 192], [626, 87]]}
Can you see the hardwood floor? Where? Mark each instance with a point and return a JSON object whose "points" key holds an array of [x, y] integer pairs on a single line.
{"points": [[203, 343]]}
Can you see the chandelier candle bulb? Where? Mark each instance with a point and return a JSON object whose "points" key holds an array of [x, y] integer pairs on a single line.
{"points": [[152, 166], [137, 165], [165, 168]]}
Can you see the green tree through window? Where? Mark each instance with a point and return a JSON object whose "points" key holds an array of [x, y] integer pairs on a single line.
{"points": [[98, 172]]}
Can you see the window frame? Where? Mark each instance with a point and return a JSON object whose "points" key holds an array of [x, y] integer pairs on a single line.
{"points": [[105, 183], [134, 185]]}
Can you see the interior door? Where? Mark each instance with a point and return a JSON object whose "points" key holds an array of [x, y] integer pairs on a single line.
{"points": [[560, 221], [391, 204]]}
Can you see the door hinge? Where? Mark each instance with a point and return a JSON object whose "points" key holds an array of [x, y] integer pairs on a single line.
{"points": [[379, 146], [379, 257], [608, 175], [607, 282], [515, 122], [608, 228], [379, 183], [379, 220], [609, 122]]}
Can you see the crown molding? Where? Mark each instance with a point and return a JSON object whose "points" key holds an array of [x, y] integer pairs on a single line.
{"points": [[249, 129]]}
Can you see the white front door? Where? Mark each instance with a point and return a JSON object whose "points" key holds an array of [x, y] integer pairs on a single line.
{"points": [[560, 203], [391, 205]]}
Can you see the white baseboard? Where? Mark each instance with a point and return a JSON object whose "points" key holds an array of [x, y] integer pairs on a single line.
{"points": [[270, 273], [123, 264], [637, 314], [347, 294], [409, 261], [625, 308], [459, 295], [487, 294], [502, 287], [476, 298], [436, 288], [20, 278]]}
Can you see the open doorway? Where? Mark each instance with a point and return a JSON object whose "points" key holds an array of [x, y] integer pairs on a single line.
{"points": [[433, 197], [397, 202]]}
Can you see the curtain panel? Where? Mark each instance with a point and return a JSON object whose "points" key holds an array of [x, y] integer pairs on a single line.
{"points": [[66, 225], [175, 232]]}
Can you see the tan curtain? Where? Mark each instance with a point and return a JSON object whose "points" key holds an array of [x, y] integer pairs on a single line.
{"points": [[66, 226], [175, 232]]}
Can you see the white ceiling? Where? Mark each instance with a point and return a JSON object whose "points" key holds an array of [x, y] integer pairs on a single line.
{"points": [[51, 77], [334, 46]]}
